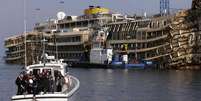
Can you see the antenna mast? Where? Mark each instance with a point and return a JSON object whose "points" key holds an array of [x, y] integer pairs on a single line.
{"points": [[25, 37], [43, 54]]}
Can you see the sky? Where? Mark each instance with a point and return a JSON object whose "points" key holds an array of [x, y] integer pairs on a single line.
{"points": [[12, 16]]}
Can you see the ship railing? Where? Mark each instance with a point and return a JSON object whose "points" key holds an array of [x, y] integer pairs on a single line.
{"points": [[13, 44], [139, 41], [145, 49]]}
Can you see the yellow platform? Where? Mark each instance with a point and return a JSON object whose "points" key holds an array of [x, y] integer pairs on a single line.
{"points": [[96, 10]]}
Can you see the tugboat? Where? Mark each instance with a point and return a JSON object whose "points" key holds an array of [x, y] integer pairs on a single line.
{"points": [[48, 80]]}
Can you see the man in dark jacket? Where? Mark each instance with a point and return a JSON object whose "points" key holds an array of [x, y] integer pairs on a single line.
{"points": [[20, 84], [45, 81], [35, 86], [59, 82]]}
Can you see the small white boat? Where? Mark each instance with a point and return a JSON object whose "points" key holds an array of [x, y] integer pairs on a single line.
{"points": [[70, 86]]}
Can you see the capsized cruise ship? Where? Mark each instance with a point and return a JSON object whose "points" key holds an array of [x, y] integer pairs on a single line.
{"points": [[169, 40], [70, 36]]}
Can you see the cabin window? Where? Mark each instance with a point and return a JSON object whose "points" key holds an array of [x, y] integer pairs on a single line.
{"points": [[47, 71], [36, 71], [165, 23], [56, 73]]}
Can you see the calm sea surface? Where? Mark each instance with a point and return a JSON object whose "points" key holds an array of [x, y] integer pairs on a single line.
{"points": [[120, 85]]}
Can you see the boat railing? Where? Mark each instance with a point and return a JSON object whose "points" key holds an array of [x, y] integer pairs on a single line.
{"points": [[73, 87]]}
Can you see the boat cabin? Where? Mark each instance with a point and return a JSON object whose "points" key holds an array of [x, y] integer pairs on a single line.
{"points": [[52, 67]]}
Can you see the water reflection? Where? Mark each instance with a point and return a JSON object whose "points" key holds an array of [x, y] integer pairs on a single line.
{"points": [[121, 85], [184, 83], [131, 85]]}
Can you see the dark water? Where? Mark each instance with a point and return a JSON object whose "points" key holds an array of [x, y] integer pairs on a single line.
{"points": [[8, 75], [121, 85]]}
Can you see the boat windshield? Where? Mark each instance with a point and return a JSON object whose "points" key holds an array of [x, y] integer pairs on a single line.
{"points": [[38, 67]]}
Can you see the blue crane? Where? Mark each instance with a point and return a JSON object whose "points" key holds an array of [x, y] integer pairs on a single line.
{"points": [[164, 7]]}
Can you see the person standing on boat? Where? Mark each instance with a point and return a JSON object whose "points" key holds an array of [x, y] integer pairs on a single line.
{"points": [[45, 81], [51, 84], [30, 82], [25, 82], [20, 84], [40, 82], [35, 86], [67, 81], [59, 82]]}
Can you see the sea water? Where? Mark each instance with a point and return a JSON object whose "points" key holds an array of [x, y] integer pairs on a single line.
{"points": [[120, 84]]}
